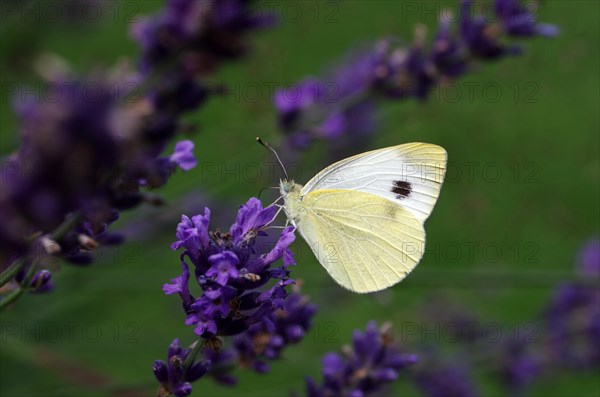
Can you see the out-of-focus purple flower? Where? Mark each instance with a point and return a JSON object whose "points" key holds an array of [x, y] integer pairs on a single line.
{"points": [[75, 159], [439, 378], [463, 323], [90, 153], [40, 282], [338, 102], [573, 316], [183, 155], [480, 36], [573, 322], [519, 20], [266, 339], [589, 259], [363, 370], [295, 98], [194, 37], [344, 102], [517, 364], [448, 52], [201, 33], [174, 378], [223, 362]]}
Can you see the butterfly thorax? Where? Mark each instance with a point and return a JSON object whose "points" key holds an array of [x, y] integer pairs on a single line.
{"points": [[290, 191]]}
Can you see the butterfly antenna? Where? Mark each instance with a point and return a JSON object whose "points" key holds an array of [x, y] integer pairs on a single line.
{"points": [[265, 188], [270, 148]]}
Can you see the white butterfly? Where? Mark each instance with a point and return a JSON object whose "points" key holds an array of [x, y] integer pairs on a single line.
{"points": [[363, 216]]}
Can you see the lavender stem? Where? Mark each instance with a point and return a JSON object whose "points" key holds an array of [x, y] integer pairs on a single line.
{"points": [[10, 297], [189, 360], [65, 227]]}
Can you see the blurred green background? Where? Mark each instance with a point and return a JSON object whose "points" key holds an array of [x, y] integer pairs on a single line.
{"points": [[99, 332]]}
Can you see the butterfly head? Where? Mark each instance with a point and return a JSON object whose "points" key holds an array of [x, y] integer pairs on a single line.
{"points": [[288, 186]]}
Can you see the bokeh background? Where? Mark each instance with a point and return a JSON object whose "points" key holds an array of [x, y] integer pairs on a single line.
{"points": [[522, 190]]}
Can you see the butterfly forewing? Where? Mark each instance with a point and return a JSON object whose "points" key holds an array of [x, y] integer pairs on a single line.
{"points": [[410, 175]]}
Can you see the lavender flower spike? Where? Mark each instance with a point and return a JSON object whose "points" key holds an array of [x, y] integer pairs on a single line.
{"points": [[230, 268], [364, 368], [174, 377], [342, 106], [233, 272]]}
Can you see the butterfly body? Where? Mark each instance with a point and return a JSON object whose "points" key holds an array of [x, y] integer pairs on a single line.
{"points": [[363, 216], [290, 191]]}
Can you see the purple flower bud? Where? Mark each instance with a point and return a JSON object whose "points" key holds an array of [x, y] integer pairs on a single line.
{"points": [[183, 155], [182, 390], [174, 377], [42, 281], [160, 371], [294, 333]]}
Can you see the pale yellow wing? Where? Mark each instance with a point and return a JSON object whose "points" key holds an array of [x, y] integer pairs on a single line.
{"points": [[410, 175], [367, 243]]}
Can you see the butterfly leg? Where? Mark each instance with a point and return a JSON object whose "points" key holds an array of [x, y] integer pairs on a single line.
{"points": [[275, 202], [276, 214]]}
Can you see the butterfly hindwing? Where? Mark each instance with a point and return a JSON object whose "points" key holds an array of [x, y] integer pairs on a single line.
{"points": [[409, 175], [365, 242]]}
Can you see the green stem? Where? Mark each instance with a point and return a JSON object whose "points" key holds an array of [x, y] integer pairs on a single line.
{"points": [[10, 297], [30, 273], [65, 227], [12, 270], [58, 233], [189, 360]]}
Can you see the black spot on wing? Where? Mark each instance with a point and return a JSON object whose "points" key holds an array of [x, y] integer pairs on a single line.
{"points": [[402, 189]]}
